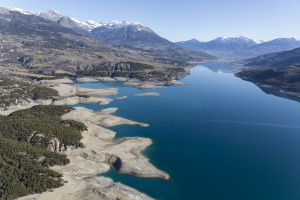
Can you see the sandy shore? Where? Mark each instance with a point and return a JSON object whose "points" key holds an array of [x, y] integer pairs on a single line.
{"points": [[100, 151], [126, 81]]}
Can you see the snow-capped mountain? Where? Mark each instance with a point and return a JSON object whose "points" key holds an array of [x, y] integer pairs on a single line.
{"points": [[89, 25], [25, 12], [132, 34], [240, 47], [117, 25], [104, 31], [51, 15], [129, 33], [61, 19]]}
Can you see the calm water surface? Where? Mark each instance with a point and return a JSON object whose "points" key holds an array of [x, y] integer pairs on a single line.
{"points": [[219, 138]]}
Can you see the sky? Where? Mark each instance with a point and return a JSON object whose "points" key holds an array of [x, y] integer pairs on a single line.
{"points": [[179, 20]]}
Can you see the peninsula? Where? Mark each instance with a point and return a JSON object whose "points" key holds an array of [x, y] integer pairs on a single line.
{"points": [[86, 151]]}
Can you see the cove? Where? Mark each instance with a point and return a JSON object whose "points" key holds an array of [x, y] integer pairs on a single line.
{"points": [[218, 137]]}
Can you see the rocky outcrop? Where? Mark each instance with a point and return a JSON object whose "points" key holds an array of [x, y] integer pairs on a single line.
{"points": [[55, 145]]}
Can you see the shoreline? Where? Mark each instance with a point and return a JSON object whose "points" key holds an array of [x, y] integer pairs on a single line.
{"points": [[126, 81], [270, 89], [100, 152]]}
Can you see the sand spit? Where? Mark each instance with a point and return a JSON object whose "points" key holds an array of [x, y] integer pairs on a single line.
{"points": [[148, 94], [123, 97], [101, 152], [144, 84]]}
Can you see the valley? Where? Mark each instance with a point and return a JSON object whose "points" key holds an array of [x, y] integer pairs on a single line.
{"points": [[115, 111]]}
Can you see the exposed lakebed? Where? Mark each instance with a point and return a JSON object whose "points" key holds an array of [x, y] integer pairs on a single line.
{"points": [[218, 137]]}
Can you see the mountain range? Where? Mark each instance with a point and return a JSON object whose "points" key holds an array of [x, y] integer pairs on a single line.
{"points": [[240, 47], [49, 43], [132, 34]]}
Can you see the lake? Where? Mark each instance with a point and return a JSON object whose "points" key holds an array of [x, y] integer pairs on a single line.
{"points": [[219, 138]]}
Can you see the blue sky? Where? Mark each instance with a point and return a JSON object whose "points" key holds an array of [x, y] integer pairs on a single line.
{"points": [[179, 20]]}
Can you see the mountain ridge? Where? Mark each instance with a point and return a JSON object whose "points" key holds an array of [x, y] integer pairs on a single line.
{"points": [[241, 47]]}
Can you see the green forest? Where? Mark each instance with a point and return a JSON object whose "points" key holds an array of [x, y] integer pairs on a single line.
{"points": [[24, 158]]}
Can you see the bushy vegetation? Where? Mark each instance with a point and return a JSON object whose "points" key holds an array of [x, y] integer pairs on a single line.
{"points": [[17, 90], [24, 158]]}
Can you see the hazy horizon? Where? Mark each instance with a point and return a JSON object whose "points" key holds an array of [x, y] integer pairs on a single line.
{"points": [[179, 21]]}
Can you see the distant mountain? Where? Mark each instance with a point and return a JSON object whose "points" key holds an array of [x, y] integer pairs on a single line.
{"points": [[241, 47], [229, 44], [276, 45], [192, 44]]}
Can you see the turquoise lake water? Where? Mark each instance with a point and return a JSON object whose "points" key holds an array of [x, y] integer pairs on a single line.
{"points": [[219, 138]]}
